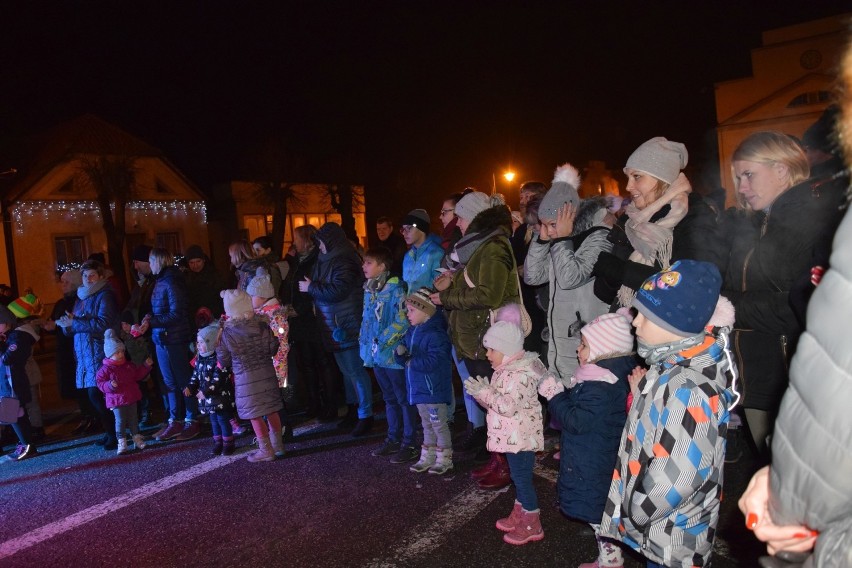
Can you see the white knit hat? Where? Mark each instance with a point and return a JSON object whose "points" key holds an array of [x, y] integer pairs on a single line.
{"points": [[208, 335], [472, 205], [505, 337], [261, 285], [237, 304], [659, 157], [112, 343], [609, 334]]}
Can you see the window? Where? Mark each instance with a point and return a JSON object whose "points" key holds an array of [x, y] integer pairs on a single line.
{"points": [[70, 252], [170, 242], [811, 98]]}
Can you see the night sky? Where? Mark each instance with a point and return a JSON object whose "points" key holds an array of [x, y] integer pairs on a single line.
{"points": [[414, 99]]}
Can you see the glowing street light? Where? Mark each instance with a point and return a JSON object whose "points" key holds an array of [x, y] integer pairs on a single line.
{"points": [[508, 175]]}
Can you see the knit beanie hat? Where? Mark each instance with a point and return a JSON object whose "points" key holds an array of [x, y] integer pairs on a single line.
{"points": [[417, 218], [260, 285], [25, 306], [420, 300], [195, 252], [659, 157], [7, 317], [472, 205], [74, 276], [505, 337], [112, 343], [208, 336], [562, 190], [681, 299], [140, 253], [237, 304], [609, 334]]}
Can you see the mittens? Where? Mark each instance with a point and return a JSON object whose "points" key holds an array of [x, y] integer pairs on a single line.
{"points": [[550, 386], [472, 385]]}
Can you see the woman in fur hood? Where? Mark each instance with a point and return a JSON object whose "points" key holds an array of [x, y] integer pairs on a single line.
{"points": [[563, 253]]}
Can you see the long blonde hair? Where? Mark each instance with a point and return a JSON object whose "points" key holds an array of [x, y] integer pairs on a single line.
{"points": [[239, 252], [771, 147]]}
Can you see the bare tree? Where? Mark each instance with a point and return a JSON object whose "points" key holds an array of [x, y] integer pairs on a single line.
{"points": [[342, 195], [113, 179]]}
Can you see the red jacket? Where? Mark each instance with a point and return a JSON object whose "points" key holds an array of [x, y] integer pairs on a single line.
{"points": [[126, 375]]}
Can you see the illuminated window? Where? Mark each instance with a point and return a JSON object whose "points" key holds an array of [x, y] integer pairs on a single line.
{"points": [[811, 98], [70, 252]]}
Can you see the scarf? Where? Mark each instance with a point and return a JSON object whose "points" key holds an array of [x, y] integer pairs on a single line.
{"points": [[377, 283], [592, 372], [652, 241], [653, 354], [84, 291], [467, 245]]}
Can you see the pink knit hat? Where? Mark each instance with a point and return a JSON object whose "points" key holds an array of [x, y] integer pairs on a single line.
{"points": [[609, 334]]}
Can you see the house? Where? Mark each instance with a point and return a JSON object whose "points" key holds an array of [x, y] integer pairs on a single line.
{"points": [[793, 74], [55, 221]]}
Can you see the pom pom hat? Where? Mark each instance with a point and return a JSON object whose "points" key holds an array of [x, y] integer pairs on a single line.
{"points": [[237, 304], [420, 300], [660, 158], [25, 306], [260, 285], [609, 334], [562, 190], [681, 299], [505, 337], [112, 343]]}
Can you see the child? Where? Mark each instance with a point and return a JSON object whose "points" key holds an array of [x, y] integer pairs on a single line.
{"points": [[212, 384], [592, 413], [514, 418], [247, 347], [27, 308], [382, 326], [16, 347], [665, 492], [425, 352], [118, 379]]}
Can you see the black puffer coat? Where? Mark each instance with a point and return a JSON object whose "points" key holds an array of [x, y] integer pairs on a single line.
{"points": [[304, 326], [337, 289], [170, 309]]}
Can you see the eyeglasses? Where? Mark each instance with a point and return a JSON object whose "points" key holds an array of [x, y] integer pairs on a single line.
{"points": [[445, 211], [406, 228]]}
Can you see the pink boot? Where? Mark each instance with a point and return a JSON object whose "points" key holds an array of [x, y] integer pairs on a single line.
{"points": [[528, 529], [508, 524]]}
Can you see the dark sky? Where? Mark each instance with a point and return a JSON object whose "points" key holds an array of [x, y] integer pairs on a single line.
{"points": [[427, 96]]}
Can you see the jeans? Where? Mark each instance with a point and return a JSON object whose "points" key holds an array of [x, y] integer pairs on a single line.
{"points": [[521, 470], [126, 417], [176, 371], [436, 431], [474, 368], [220, 422], [355, 374], [651, 564], [402, 417]]}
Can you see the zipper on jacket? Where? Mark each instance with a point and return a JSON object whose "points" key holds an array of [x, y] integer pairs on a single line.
{"points": [[740, 367], [784, 352]]}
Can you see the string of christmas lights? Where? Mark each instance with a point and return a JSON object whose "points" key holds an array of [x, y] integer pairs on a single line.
{"points": [[28, 209]]}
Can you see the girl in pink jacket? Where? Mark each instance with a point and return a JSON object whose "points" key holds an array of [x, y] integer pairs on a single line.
{"points": [[514, 421]]}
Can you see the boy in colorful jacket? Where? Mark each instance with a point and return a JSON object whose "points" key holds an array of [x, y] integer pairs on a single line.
{"points": [[667, 484]]}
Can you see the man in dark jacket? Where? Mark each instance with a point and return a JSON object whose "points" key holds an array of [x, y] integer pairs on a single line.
{"points": [[203, 283], [390, 238], [336, 287]]}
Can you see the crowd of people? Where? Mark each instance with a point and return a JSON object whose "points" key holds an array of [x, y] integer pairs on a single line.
{"points": [[643, 330]]}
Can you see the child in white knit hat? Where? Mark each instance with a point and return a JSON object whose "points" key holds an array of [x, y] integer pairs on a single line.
{"points": [[592, 410], [514, 418]]}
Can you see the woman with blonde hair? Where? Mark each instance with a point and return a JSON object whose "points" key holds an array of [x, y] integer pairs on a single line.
{"points": [[242, 259]]}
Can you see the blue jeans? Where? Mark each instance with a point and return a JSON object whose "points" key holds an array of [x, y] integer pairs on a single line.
{"points": [[402, 417], [521, 470], [353, 370], [651, 564], [473, 368], [176, 371], [220, 422]]}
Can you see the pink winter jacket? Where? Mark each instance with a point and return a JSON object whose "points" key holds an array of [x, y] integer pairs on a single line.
{"points": [[514, 413], [127, 375]]}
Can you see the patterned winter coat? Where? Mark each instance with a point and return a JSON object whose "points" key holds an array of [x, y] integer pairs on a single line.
{"points": [[127, 375], [383, 324], [247, 346], [514, 412], [215, 382], [170, 309], [429, 362], [664, 497], [419, 263], [95, 312], [275, 315]]}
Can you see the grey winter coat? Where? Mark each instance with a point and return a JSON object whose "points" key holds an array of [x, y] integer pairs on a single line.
{"points": [[810, 481], [247, 347], [566, 264], [95, 312]]}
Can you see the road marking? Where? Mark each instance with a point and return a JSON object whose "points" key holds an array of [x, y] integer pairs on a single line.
{"points": [[71, 522]]}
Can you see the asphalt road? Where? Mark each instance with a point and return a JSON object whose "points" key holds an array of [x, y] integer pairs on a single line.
{"points": [[327, 503]]}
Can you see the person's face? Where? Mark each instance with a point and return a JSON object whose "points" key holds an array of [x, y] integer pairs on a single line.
{"points": [[156, 267], [650, 333], [412, 235], [301, 243], [415, 316], [200, 346], [526, 196], [4, 328], [384, 230], [260, 250], [515, 224], [141, 267], [642, 188], [66, 284], [463, 224], [257, 302], [118, 356], [90, 277], [372, 268], [583, 351], [448, 211], [760, 184], [494, 357], [549, 225], [322, 247], [196, 264]]}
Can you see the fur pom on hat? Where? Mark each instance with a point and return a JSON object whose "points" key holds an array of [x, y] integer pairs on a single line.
{"points": [[261, 285], [659, 157], [237, 304], [510, 313], [208, 336], [505, 337], [609, 334], [724, 314], [563, 189], [112, 343]]}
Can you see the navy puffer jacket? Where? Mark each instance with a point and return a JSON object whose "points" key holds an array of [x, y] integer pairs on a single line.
{"points": [[337, 289], [170, 309]]}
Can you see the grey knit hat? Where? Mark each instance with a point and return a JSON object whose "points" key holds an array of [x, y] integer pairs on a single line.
{"points": [[208, 335], [112, 343], [472, 205], [660, 158], [563, 190], [261, 285]]}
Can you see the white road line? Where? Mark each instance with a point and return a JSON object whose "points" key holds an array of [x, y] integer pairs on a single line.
{"points": [[71, 522]]}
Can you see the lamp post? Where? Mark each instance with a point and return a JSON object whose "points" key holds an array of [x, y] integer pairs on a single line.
{"points": [[508, 175]]}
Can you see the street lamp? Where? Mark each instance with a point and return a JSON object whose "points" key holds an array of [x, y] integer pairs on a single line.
{"points": [[508, 175]]}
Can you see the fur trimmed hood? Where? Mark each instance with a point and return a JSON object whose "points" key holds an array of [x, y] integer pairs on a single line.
{"points": [[498, 216], [591, 212]]}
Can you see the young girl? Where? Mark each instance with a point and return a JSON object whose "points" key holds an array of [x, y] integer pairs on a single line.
{"points": [[592, 412], [212, 384], [247, 346], [118, 379], [514, 419], [15, 349]]}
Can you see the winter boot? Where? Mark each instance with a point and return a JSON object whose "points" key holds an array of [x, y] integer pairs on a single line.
{"points": [[139, 441], [363, 427], [427, 459], [217, 446], [263, 452], [351, 417], [499, 478], [227, 445], [488, 468], [528, 529], [609, 555], [276, 439], [509, 523], [122, 445], [443, 461], [237, 428]]}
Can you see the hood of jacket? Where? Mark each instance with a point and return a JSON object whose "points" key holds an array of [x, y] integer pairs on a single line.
{"points": [[332, 236], [590, 213], [492, 218], [524, 360]]}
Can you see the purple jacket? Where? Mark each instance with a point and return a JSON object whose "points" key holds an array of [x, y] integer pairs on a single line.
{"points": [[127, 375]]}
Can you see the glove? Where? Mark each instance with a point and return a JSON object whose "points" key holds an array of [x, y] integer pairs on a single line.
{"points": [[550, 386], [609, 267], [64, 321], [401, 350], [473, 386]]}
